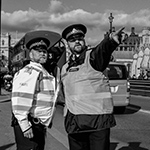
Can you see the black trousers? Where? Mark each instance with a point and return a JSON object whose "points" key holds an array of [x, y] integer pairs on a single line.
{"points": [[96, 140], [35, 143]]}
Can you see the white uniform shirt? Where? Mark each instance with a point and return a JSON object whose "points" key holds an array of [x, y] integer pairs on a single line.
{"points": [[33, 92]]}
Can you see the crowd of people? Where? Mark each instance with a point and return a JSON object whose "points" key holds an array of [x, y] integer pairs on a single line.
{"points": [[88, 111]]}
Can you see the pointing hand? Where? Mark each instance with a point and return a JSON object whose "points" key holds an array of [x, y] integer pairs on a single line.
{"points": [[119, 35]]}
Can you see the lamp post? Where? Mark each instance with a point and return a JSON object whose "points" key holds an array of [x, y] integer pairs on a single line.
{"points": [[0, 49], [110, 21]]}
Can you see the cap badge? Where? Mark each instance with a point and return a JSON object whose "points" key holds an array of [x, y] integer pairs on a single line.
{"points": [[74, 31], [38, 44]]}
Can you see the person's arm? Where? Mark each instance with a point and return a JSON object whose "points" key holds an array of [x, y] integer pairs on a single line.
{"points": [[24, 84], [101, 54]]}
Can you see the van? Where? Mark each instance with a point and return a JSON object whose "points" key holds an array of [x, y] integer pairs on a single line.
{"points": [[119, 85]]}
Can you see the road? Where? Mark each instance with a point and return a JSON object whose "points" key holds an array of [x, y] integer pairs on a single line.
{"points": [[131, 133], [133, 128]]}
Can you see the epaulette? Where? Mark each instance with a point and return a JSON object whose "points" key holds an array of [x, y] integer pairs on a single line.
{"points": [[29, 69]]}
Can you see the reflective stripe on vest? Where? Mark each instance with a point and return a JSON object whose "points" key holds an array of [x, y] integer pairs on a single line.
{"points": [[34, 90], [87, 91]]}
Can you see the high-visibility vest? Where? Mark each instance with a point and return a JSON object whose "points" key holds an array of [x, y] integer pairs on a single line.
{"points": [[33, 92], [86, 90]]}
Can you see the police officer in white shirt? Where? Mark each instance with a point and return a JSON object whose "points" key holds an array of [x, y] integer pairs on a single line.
{"points": [[34, 95]]}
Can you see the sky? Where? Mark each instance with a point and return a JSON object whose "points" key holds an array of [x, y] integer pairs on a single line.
{"points": [[21, 16]]}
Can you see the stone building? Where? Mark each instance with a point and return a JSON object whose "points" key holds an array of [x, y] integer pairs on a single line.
{"points": [[125, 51], [4, 52], [6, 44], [140, 68]]}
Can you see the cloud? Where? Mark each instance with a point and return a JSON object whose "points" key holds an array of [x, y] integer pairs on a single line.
{"points": [[139, 20], [56, 7], [21, 21], [57, 17]]}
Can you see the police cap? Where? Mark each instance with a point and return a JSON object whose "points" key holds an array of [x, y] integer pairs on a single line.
{"points": [[38, 42], [73, 30], [41, 38]]}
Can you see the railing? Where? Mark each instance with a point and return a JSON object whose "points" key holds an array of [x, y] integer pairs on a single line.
{"points": [[139, 87]]}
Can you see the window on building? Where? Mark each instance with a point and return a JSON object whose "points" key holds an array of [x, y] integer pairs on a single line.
{"points": [[146, 40], [25, 54], [132, 48], [3, 42], [3, 57], [121, 48], [18, 57]]}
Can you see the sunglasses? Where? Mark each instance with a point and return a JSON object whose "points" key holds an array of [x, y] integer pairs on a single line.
{"points": [[73, 39]]}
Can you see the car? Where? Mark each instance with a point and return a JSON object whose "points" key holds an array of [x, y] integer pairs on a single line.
{"points": [[119, 85]]}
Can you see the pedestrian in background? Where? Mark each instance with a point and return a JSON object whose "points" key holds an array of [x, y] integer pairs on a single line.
{"points": [[33, 95], [87, 93]]}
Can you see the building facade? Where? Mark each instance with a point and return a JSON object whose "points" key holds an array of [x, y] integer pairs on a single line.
{"points": [[6, 51], [125, 51], [140, 68]]}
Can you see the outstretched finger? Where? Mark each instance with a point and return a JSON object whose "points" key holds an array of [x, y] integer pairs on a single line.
{"points": [[120, 30]]}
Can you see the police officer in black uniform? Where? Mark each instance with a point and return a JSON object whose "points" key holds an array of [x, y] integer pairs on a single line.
{"points": [[88, 99]]}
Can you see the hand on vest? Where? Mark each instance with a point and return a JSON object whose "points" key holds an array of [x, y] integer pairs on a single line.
{"points": [[28, 133], [119, 36]]}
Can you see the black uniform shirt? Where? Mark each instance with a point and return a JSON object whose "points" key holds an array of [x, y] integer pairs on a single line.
{"points": [[99, 56]]}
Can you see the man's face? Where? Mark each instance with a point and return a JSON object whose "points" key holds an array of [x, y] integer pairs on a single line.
{"points": [[76, 44], [39, 55]]}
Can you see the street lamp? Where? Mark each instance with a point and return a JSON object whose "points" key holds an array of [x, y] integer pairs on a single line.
{"points": [[0, 49], [110, 21]]}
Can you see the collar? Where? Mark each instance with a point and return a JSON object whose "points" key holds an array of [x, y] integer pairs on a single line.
{"points": [[36, 64]]}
